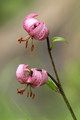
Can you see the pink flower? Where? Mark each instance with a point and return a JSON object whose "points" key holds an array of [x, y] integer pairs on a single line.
{"points": [[38, 77], [35, 28], [32, 77], [22, 73]]}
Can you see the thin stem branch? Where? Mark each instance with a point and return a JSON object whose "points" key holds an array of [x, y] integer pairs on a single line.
{"points": [[67, 103], [52, 61], [59, 83], [53, 80]]}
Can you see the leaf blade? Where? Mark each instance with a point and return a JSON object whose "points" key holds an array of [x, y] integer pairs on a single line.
{"points": [[52, 85], [58, 39]]}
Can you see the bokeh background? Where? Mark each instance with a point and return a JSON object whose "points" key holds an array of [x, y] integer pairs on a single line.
{"points": [[63, 19]]}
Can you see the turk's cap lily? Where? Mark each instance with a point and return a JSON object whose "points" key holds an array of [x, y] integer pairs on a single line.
{"points": [[35, 28], [32, 77]]}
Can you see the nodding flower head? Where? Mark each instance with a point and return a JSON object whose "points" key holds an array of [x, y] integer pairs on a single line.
{"points": [[35, 28], [30, 77]]}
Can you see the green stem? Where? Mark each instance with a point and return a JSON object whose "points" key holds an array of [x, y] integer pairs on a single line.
{"points": [[59, 83]]}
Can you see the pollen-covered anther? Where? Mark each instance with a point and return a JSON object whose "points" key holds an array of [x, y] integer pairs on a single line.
{"points": [[20, 91], [26, 43], [30, 93], [27, 94], [32, 47], [25, 39], [21, 40], [33, 96]]}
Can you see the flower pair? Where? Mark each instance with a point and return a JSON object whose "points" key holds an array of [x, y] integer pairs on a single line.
{"points": [[32, 77]]}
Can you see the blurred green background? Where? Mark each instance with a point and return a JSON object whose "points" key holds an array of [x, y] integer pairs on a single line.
{"points": [[63, 19]]}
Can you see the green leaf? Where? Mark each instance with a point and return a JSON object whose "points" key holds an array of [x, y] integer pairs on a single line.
{"points": [[58, 39], [52, 85]]}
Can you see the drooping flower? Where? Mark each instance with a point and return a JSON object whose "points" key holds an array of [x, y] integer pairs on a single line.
{"points": [[30, 77], [36, 30]]}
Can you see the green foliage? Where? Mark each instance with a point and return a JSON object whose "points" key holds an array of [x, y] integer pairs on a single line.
{"points": [[58, 39], [52, 85], [11, 111], [10, 8]]}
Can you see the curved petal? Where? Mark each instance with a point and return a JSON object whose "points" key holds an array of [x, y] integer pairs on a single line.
{"points": [[36, 31], [44, 33], [32, 15]]}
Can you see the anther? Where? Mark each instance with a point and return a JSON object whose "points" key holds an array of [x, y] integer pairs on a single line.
{"points": [[21, 40], [26, 43], [20, 91], [33, 96], [27, 94], [32, 47]]}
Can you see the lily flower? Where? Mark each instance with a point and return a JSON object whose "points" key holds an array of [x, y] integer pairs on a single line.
{"points": [[36, 29], [31, 77]]}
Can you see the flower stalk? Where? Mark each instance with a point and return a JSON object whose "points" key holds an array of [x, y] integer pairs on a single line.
{"points": [[58, 83]]}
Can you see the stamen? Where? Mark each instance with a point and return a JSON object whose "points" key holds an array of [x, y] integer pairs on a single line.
{"points": [[27, 94], [26, 40], [33, 96], [21, 90], [32, 47], [21, 40], [29, 91], [26, 43]]}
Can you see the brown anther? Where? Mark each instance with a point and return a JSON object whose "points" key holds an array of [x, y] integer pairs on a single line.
{"points": [[27, 94], [20, 39], [20, 91], [32, 47], [33, 96], [26, 43]]}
